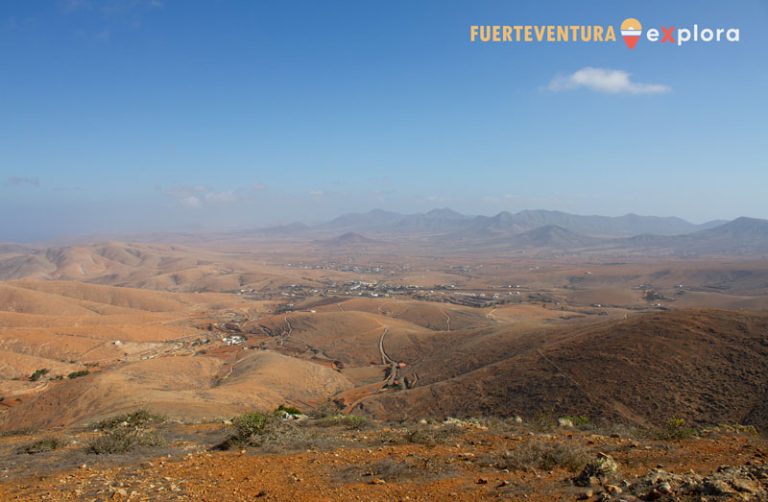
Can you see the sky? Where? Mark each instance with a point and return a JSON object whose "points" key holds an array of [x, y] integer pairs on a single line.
{"points": [[126, 116]]}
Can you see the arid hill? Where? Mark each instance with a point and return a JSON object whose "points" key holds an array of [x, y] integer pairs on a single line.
{"points": [[147, 266], [706, 366], [210, 331]]}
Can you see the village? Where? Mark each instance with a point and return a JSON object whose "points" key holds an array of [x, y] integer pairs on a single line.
{"points": [[449, 293]]}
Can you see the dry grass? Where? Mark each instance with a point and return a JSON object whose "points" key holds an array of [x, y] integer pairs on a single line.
{"points": [[675, 429], [124, 441], [138, 418], [125, 433], [391, 470], [40, 446], [430, 436], [270, 434], [539, 455]]}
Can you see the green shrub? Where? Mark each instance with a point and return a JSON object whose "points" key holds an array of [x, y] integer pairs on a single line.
{"points": [[38, 374], [675, 429], [251, 429], [78, 374], [252, 424], [39, 446], [579, 421], [287, 409]]}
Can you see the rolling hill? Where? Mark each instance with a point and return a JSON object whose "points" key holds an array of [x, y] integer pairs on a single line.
{"points": [[705, 366]]}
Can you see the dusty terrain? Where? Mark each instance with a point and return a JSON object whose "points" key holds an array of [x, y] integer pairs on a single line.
{"points": [[201, 333], [474, 460]]}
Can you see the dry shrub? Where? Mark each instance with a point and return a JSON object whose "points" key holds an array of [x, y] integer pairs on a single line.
{"points": [[539, 455]]}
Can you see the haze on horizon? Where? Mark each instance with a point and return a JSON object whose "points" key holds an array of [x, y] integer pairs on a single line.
{"points": [[130, 116]]}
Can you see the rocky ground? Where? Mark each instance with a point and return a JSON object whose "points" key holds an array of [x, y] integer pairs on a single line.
{"points": [[347, 459]]}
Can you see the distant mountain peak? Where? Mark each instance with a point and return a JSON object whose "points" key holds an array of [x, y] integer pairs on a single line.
{"points": [[445, 213], [742, 226], [745, 221], [351, 238]]}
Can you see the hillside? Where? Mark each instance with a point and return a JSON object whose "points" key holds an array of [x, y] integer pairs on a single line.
{"points": [[643, 370], [148, 266], [380, 376], [742, 236], [318, 460], [548, 237]]}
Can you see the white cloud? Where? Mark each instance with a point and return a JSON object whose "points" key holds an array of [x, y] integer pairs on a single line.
{"points": [[604, 80]]}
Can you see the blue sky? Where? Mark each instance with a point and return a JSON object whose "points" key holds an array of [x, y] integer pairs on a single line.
{"points": [[133, 115]]}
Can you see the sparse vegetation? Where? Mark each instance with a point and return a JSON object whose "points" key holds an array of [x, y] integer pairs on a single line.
{"points": [[602, 467], [78, 374], [542, 422], [540, 455], [432, 437], [749, 430], [350, 421], [136, 419], [391, 470], [252, 424], [270, 434], [579, 421], [124, 433], [123, 440], [676, 429], [620, 430], [251, 429], [328, 409], [289, 436], [38, 374], [16, 432], [40, 446], [587, 456], [290, 410]]}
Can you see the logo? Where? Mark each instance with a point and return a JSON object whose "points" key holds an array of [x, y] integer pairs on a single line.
{"points": [[631, 31]]}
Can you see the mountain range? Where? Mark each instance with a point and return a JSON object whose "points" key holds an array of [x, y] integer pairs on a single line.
{"points": [[541, 230], [446, 221], [437, 231]]}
